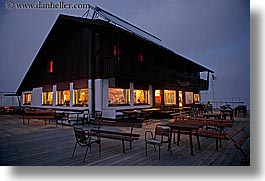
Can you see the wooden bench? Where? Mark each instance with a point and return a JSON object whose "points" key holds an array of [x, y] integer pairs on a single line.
{"points": [[2, 109], [70, 117], [7, 109], [116, 135], [219, 134], [38, 114], [183, 114]]}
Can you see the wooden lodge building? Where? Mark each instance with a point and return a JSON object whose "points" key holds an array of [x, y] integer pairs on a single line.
{"points": [[96, 65]]}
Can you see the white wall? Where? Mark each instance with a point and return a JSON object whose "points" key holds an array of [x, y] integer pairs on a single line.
{"points": [[105, 98], [36, 97], [98, 94], [151, 100], [90, 95], [71, 94], [131, 94], [54, 97]]}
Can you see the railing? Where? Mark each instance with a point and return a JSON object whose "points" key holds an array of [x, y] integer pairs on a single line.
{"points": [[232, 101], [8, 99], [109, 67]]}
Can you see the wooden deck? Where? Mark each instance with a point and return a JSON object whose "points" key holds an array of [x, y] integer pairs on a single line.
{"points": [[39, 144]]}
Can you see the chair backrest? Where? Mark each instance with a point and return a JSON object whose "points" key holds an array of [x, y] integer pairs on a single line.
{"points": [[162, 131], [98, 115], [86, 113], [80, 136]]}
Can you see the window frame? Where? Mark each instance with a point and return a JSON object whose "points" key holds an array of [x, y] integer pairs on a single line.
{"points": [[74, 97], [25, 96], [127, 96], [135, 98], [174, 97], [189, 96], [47, 94], [57, 98]]}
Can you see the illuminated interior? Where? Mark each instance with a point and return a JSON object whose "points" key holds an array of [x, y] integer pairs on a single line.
{"points": [[170, 97], [81, 97], [27, 98], [158, 97], [47, 98], [118, 96], [63, 97], [140, 57], [181, 99], [189, 97], [141, 96], [116, 51], [196, 98], [50, 66]]}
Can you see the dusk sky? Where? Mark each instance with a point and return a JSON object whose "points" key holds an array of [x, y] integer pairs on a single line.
{"points": [[213, 33]]}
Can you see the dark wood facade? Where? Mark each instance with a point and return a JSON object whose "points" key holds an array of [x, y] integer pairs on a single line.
{"points": [[84, 49]]}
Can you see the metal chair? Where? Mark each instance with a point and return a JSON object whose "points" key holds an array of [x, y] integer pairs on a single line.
{"points": [[96, 117], [85, 117], [161, 132], [84, 139]]}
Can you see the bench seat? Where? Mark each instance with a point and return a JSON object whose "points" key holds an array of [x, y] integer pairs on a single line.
{"points": [[44, 117], [116, 135]]}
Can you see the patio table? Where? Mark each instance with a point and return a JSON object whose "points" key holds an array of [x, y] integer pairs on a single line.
{"points": [[212, 115], [184, 127]]}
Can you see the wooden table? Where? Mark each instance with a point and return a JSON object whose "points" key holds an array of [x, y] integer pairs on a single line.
{"points": [[226, 112], [241, 109], [130, 114], [212, 115], [151, 110], [187, 108], [184, 127]]}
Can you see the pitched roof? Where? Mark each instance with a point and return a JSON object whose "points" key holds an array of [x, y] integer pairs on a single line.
{"points": [[99, 22], [139, 33]]}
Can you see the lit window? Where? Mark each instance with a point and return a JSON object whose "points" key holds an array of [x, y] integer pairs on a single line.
{"points": [[118, 96], [81, 97], [141, 96], [181, 99], [158, 97], [47, 98], [189, 97], [50, 66], [140, 57], [170, 96], [196, 98], [27, 98], [116, 52], [63, 98]]}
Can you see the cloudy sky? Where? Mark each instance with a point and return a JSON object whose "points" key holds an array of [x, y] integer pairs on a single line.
{"points": [[214, 33]]}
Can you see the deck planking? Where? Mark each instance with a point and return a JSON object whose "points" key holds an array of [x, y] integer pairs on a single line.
{"points": [[37, 144]]}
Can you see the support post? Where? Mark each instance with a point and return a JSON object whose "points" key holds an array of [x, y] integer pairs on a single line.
{"points": [[54, 87], [71, 94], [91, 68]]}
